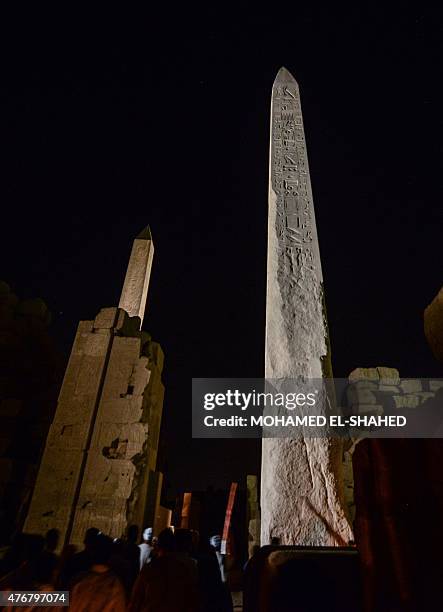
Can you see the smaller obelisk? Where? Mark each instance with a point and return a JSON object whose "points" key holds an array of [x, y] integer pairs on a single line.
{"points": [[135, 287], [107, 417]]}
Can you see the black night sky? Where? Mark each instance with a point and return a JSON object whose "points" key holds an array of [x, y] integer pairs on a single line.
{"points": [[119, 119]]}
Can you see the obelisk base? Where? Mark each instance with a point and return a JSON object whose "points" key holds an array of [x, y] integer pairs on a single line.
{"points": [[304, 503]]}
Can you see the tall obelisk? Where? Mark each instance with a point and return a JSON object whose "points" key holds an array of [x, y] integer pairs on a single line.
{"points": [[301, 484]]}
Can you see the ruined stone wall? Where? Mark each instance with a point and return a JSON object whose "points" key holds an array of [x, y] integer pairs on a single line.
{"points": [[97, 451], [369, 390]]}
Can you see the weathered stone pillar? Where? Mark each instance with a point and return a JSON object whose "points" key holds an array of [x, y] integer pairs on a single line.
{"points": [[302, 499]]}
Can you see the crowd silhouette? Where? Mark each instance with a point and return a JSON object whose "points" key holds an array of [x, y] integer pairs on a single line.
{"points": [[176, 572]]}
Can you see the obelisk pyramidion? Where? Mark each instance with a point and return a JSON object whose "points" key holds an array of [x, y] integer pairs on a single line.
{"points": [[301, 484]]}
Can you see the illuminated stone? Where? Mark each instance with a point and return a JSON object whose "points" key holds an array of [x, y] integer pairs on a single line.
{"points": [[302, 488], [135, 287], [101, 450]]}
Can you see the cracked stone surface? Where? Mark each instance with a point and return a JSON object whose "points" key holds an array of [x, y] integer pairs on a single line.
{"points": [[103, 441], [302, 489]]}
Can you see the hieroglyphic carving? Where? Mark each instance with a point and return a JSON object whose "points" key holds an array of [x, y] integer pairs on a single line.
{"points": [[290, 182], [301, 482]]}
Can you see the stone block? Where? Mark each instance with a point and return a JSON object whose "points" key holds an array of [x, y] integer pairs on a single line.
{"points": [[411, 400], [388, 376], [53, 506], [83, 329], [140, 376], [364, 374], [124, 355], [122, 409], [84, 370], [107, 477], [106, 318], [119, 440], [83, 333], [69, 436], [59, 471], [119, 320], [54, 491], [89, 375], [75, 361], [107, 513], [435, 385], [389, 388], [411, 385], [97, 345], [75, 409]]}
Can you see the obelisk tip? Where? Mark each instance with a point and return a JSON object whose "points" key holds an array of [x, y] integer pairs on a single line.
{"points": [[284, 76], [145, 234]]}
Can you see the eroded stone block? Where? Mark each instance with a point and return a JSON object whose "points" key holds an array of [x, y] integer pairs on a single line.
{"points": [[411, 385], [106, 318], [411, 400], [119, 440], [68, 436], [435, 385], [388, 376], [364, 374], [105, 477]]}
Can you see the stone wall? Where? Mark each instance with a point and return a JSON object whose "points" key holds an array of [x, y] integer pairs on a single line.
{"points": [[370, 389], [100, 446]]}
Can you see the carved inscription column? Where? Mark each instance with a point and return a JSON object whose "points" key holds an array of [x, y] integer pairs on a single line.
{"points": [[302, 486]]}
